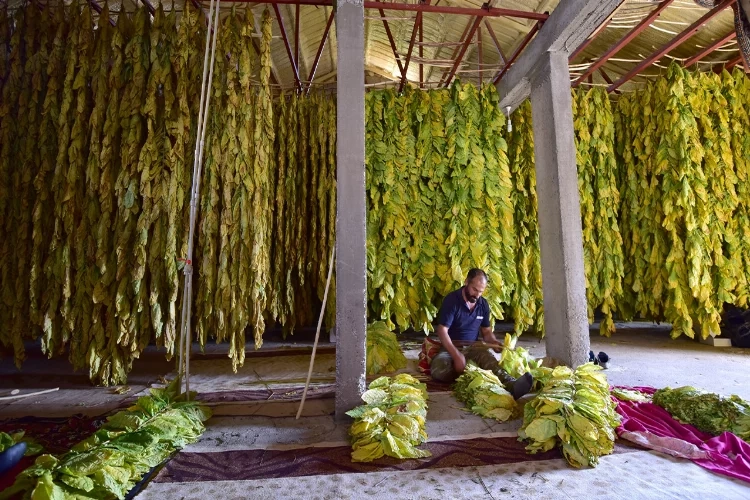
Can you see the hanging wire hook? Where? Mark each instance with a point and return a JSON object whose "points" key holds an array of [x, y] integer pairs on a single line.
{"points": [[510, 123]]}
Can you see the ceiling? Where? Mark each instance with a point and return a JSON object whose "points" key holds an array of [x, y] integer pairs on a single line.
{"points": [[442, 39]]}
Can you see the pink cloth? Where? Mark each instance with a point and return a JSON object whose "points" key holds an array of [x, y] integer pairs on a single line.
{"points": [[652, 426]]}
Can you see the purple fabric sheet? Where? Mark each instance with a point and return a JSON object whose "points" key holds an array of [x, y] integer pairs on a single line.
{"points": [[652, 426]]}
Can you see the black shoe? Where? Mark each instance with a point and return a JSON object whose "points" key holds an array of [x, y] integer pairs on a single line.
{"points": [[602, 359], [522, 385], [592, 358]]}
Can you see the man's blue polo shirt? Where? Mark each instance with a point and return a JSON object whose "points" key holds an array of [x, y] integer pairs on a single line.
{"points": [[463, 324]]}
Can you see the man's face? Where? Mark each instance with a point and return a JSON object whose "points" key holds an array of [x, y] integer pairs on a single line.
{"points": [[474, 288]]}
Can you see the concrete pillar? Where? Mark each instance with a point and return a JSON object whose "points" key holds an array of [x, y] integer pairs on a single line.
{"points": [[560, 234], [351, 253]]}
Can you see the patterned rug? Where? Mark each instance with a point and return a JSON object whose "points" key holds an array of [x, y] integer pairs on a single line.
{"points": [[56, 435], [263, 464]]}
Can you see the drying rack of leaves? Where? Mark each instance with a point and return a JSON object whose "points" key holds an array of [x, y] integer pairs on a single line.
{"points": [[684, 151], [97, 136], [438, 200], [112, 460]]}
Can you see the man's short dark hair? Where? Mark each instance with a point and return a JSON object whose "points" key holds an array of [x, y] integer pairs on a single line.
{"points": [[473, 273]]}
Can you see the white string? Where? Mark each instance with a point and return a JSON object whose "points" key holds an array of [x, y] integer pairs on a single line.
{"points": [[212, 30], [317, 333]]}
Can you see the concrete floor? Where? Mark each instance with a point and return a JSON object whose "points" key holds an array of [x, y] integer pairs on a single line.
{"points": [[640, 355], [644, 354]]}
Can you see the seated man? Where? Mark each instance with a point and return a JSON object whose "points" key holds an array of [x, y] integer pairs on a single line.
{"points": [[463, 314]]}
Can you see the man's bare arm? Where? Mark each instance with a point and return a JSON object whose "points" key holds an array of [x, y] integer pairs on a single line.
{"points": [[488, 335]]}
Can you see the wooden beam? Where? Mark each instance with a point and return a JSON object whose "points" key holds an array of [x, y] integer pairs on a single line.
{"points": [[569, 25], [421, 53], [149, 6], [607, 79], [296, 33], [468, 11], [481, 55], [288, 47], [301, 41], [455, 51], [416, 7], [320, 51], [494, 39], [527, 39], [675, 42], [392, 42], [414, 32], [732, 63], [703, 53], [645, 23], [467, 41]]}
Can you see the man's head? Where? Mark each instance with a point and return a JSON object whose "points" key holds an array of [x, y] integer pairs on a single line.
{"points": [[476, 282]]}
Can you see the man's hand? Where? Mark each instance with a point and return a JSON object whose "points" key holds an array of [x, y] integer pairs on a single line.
{"points": [[489, 336], [459, 362]]}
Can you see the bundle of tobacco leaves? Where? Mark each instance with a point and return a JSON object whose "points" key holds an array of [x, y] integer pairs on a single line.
{"points": [[392, 422]]}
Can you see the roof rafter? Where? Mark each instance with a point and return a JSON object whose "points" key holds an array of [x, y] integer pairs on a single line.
{"points": [[320, 51], [456, 49], [645, 22], [392, 42], [414, 31], [676, 41], [588, 41], [607, 79], [732, 63], [295, 70], [480, 55], [467, 41], [518, 51], [300, 41], [703, 53], [421, 52], [494, 39], [417, 7], [569, 25]]}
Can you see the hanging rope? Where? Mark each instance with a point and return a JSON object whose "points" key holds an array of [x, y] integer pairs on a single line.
{"points": [[212, 30], [317, 332]]}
